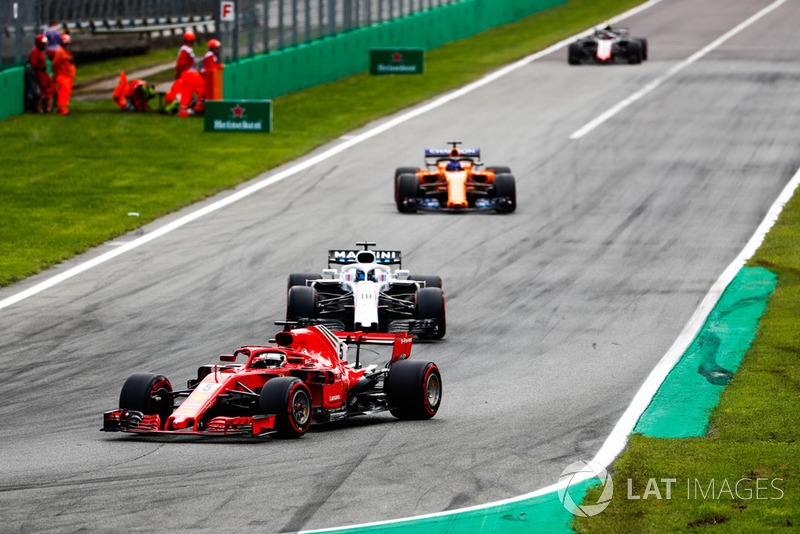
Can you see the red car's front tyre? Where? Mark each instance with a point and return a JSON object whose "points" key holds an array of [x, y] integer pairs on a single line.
{"points": [[290, 400], [147, 393]]}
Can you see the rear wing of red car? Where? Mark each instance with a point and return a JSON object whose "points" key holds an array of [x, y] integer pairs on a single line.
{"points": [[401, 342]]}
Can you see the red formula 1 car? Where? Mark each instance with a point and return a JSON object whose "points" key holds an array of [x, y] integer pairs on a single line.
{"points": [[454, 181], [281, 389]]}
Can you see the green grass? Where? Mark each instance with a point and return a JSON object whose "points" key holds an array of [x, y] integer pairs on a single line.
{"points": [[753, 431], [68, 183]]}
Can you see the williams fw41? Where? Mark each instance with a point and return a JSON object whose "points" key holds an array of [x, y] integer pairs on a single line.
{"points": [[282, 389], [454, 181], [365, 294], [608, 45]]}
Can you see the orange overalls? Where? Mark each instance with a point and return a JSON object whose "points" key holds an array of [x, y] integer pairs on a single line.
{"points": [[63, 67], [191, 82], [125, 94]]}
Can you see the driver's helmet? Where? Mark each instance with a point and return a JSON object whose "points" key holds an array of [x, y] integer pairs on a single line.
{"points": [[145, 91], [267, 360], [453, 166], [360, 275]]}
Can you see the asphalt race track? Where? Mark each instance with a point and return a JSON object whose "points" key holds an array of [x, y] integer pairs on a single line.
{"points": [[556, 313]]}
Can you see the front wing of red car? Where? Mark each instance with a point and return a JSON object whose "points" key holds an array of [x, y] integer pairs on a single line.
{"points": [[139, 423]]}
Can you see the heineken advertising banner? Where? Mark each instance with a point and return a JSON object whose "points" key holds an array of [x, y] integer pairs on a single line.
{"points": [[238, 116], [396, 60]]}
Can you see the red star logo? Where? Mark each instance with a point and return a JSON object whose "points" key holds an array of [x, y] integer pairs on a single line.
{"points": [[397, 57], [238, 112]]}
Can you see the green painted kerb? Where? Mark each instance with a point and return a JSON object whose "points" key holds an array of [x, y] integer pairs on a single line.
{"points": [[538, 514], [680, 408], [684, 401]]}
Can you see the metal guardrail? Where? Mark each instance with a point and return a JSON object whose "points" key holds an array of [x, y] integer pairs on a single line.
{"points": [[22, 20], [151, 27], [260, 26], [264, 26]]}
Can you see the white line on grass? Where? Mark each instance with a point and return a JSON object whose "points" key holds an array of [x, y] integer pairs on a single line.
{"points": [[303, 165], [652, 86]]}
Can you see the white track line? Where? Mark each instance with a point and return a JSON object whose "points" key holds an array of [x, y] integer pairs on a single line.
{"points": [[303, 165], [652, 86]]}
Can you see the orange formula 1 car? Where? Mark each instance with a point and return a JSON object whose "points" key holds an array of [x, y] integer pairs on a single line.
{"points": [[454, 181]]}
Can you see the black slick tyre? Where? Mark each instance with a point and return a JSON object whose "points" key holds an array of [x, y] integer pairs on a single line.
{"points": [[634, 52], [429, 304], [300, 279], [574, 53], [397, 173], [301, 303], [429, 279], [413, 389], [147, 393], [505, 189], [407, 193], [499, 169], [643, 46], [289, 399]]}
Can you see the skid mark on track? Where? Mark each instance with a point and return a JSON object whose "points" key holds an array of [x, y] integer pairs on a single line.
{"points": [[326, 488]]}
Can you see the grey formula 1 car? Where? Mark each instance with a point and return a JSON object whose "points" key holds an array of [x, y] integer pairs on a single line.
{"points": [[606, 46]]}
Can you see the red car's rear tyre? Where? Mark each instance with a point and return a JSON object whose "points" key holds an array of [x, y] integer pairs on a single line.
{"points": [[413, 389], [290, 400]]}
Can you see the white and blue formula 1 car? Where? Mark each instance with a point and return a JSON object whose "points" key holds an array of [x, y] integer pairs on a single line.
{"points": [[366, 295]]}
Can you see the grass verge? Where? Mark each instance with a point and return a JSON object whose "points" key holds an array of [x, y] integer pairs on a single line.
{"points": [[69, 183], [753, 432]]}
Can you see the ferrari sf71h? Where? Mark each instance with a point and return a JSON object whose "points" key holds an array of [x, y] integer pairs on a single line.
{"points": [[365, 294], [454, 181], [281, 390]]}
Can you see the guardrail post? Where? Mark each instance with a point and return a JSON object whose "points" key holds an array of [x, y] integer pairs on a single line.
{"points": [[280, 24]]}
